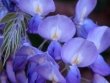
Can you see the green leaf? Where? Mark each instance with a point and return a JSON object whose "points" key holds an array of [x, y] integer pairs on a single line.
{"points": [[8, 17]]}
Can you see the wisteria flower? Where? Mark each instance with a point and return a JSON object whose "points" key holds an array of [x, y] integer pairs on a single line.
{"points": [[58, 27]]}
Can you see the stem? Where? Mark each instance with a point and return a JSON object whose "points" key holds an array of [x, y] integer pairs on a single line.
{"points": [[42, 44], [63, 69], [84, 79]]}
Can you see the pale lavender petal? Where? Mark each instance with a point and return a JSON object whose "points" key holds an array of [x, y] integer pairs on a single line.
{"points": [[21, 77], [33, 7], [58, 27], [54, 49], [100, 66], [79, 51], [3, 12], [73, 75], [100, 36], [99, 79], [34, 23], [83, 9], [10, 72]]}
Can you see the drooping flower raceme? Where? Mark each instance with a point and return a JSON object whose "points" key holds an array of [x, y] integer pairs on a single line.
{"points": [[33, 7], [58, 27]]}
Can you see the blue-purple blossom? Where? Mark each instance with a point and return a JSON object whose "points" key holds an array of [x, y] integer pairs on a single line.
{"points": [[58, 27], [83, 9], [100, 36], [3, 12], [79, 51], [73, 75], [100, 66], [34, 23], [33, 7], [3, 77], [47, 68], [99, 79], [54, 49]]}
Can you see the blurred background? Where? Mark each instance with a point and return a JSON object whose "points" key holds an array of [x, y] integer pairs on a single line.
{"points": [[100, 15]]}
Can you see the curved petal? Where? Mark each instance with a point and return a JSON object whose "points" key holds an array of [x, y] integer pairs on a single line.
{"points": [[33, 7], [83, 9], [73, 75], [47, 68], [85, 28], [3, 12], [100, 66], [79, 51], [54, 49], [21, 77], [99, 79], [100, 36], [34, 23], [10, 72], [58, 27]]}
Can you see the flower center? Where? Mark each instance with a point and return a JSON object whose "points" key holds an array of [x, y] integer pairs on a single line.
{"points": [[39, 9]]}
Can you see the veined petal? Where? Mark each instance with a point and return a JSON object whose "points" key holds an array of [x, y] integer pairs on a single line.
{"points": [[73, 75], [100, 66], [83, 9], [58, 27], [100, 36], [99, 79], [47, 68], [10, 72], [33, 7], [54, 49], [85, 28], [21, 77], [34, 23], [79, 51]]}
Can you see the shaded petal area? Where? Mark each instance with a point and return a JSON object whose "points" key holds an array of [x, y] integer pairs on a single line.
{"points": [[33, 7], [85, 28], [10, 72], [99, 79], [83, 9], [58, 27], [3, 78], [73, 75], [21, 77], [47, 68], [79, 51], [100, 36], [34, 23], [100, 66], [54, 49]]}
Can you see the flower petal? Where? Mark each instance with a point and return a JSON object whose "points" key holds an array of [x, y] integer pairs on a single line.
{"points": [[80, 52], [3, 78], [100, 36], [99, 79], [54, 49], [85, 28], [58, 27], [10, 72], [33, 7], [100, 66], [73, 75], [34, 23], [83, 9], [21, 77]]}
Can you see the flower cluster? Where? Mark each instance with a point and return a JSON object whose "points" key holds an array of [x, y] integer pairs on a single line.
{"points": [[77, 42]]}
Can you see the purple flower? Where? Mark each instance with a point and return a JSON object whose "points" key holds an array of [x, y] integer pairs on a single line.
{"points": [[33, 7], [79, 51], [87, 26], [54, 49], [100, 66], [34, 23], [47, 68], [58, 27], [3, 12], [73, 75], [99, 79], [3, 77], [83, 9], [100, 36]]}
